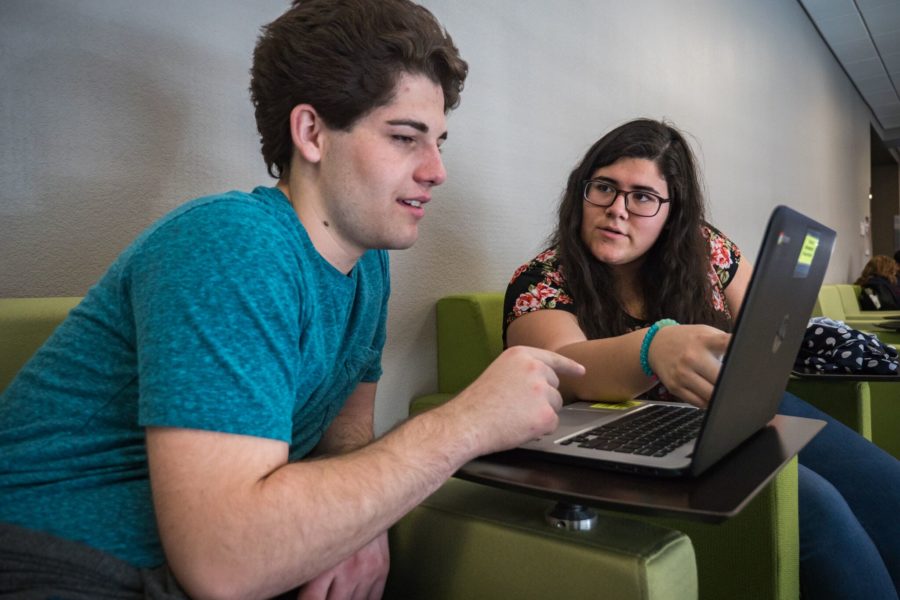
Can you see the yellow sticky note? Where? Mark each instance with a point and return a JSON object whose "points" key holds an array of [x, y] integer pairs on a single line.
{"points": [[810, 243], [617, 405]]}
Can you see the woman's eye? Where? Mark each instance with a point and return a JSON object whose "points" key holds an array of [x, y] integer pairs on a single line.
{"points": [[404, 139], [642, 198], [604, 188]]}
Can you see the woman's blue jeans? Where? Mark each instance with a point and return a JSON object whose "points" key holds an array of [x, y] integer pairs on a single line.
{"points": [[849, 494]]}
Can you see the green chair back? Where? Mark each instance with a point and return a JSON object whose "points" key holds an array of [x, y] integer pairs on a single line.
{"points": [[460, 317], [25, 323], [849, 298], [829, 303]]}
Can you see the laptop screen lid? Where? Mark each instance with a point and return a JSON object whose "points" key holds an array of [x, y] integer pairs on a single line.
{"points": [[780, 297], [790, 268]]}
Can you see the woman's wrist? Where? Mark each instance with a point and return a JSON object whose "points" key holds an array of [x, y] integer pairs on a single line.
{"points": [[645, 344]]}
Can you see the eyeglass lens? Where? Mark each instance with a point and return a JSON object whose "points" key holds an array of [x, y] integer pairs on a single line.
{"points": [[637, 202]]}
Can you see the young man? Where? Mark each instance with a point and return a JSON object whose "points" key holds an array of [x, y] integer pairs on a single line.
{"points": [[169, 426]]}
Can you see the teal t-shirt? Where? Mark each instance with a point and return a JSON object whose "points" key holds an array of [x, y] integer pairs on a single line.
{"points": [[222, 316]]}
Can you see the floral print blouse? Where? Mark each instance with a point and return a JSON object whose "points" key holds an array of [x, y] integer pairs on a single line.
{"points": [[539, 284]]}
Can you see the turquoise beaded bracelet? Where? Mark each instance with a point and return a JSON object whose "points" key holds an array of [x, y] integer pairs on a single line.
{"points": [[648, 337]]}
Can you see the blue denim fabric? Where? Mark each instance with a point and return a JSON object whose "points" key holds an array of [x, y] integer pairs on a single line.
{"points": [[849, 493]]}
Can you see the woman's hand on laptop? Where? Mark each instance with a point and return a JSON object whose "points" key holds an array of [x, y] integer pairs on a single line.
{"points": [[516, 398], [687, 360]]}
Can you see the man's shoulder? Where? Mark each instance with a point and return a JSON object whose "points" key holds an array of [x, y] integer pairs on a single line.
{"points": [[234, 219], [233, 232], [262, 204]]}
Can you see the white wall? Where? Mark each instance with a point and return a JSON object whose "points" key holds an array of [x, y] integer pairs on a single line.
{"points": [[115, 112]]}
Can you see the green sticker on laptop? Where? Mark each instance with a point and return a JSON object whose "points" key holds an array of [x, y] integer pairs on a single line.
{"points": [[617, 405]]}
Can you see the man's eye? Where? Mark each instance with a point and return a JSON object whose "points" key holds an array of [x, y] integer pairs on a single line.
{"points": [[404, 139]]}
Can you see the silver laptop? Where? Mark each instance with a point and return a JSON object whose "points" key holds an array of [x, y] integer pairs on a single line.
{"points": [[790, 268]]}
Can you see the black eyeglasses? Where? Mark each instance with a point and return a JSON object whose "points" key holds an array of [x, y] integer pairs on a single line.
{"points": [[602, 193]]}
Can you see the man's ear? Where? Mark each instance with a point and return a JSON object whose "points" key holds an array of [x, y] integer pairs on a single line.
{"points": [[306, 132]]}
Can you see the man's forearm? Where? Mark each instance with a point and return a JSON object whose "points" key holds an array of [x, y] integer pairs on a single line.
{"points": [[236, 521], [305, 517]]}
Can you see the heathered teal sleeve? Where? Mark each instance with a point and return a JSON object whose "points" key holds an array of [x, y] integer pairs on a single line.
{"points": [[216, 297]]}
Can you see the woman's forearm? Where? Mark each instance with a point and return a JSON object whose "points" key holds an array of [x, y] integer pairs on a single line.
{"points": [[613, 368]]}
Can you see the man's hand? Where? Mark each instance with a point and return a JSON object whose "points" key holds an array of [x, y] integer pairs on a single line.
{"points": [[359, 577], [687, 360], [516, 399]]}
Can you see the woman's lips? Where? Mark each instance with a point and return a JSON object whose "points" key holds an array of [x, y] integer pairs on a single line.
{"points": [[612, 233]]}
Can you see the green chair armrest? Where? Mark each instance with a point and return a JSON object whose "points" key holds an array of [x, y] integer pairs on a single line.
{"points": [[847, 401], [756, 553], [469, 541], [886, 415]]}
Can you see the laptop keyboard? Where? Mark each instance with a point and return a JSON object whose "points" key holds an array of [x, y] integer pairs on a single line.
{"points": [[654, 431]]}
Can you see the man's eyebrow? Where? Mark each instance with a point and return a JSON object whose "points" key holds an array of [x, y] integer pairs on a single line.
{"points": [[417, 125]]}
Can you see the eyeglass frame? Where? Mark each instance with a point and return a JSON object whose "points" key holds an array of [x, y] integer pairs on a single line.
{"points": [[624, 194]]}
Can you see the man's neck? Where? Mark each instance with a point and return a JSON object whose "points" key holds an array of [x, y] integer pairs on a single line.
{"points": [[309, 207]]}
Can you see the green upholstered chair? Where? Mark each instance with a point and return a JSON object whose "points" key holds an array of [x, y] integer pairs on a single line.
{"points": [[829, 304], [847, 401], [849, 295], [469, 541], [882, 399], [754, 555], [836, 299], [24, 325], [886, 415]]}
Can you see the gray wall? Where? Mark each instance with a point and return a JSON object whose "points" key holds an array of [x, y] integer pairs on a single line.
{"points": [[884, 207], [115, 112]]}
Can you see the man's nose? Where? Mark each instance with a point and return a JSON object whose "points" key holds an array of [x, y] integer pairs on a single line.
{"points": [[431, 170]]}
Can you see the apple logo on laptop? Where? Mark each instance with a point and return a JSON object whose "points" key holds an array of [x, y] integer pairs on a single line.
{"points": [[780, 334]]}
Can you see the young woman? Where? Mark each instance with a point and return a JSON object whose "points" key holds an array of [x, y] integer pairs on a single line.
{"points": [[633, 249]]}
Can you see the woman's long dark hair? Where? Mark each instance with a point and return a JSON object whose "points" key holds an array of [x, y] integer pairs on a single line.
{"points": [[675, 275]]}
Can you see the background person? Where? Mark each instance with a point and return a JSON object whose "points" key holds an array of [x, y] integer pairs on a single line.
{"points": [[879, 284]]}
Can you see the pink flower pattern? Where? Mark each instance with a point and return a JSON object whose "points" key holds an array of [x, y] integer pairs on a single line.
{"points": [[518, 272], [723, 255], [546, 293]]}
